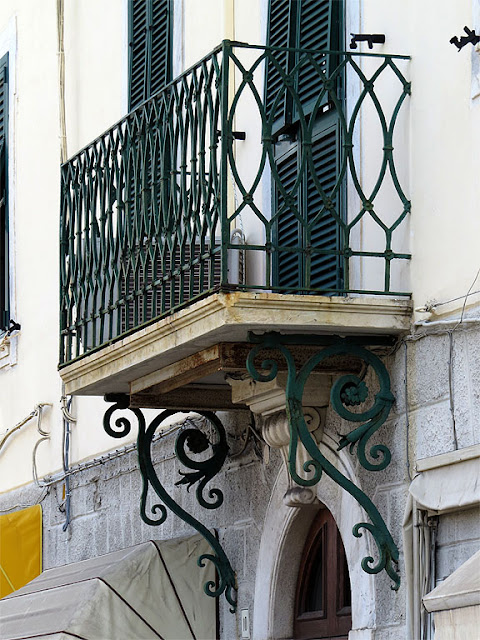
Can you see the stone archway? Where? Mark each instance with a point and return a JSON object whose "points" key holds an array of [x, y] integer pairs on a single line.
{"points": [[284, 533]]}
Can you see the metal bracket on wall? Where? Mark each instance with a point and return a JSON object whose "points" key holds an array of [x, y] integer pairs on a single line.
{"points": [[202, 472], [348, 391]]}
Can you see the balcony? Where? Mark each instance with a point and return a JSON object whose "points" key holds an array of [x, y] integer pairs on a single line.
{"points": [[242, 196]]}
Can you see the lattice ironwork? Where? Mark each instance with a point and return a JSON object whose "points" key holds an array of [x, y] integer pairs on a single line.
{"points": [[149, 207]]}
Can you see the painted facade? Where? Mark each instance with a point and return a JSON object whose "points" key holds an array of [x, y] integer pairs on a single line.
{"points": [[427, 496]]}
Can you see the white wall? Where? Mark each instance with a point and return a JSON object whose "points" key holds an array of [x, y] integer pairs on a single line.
{"points": [[440, 172]]}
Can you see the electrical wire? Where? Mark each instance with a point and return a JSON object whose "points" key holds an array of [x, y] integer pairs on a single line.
{"points": [[407, 416], [45, 436], [61, 80], [68, 418], [37, 412], [15, 507]]}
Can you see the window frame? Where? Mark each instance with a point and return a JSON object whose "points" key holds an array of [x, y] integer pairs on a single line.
{"points": [[334, 620]]}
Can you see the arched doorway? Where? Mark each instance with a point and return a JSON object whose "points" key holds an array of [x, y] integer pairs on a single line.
{"points": [[323, 602], [285, 532]]}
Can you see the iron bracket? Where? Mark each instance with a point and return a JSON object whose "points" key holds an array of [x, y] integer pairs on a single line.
{"points": [[369, 38], [461, 42], [348, 391], [202, 471]]}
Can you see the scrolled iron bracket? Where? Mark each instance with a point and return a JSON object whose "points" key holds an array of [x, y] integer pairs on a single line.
{"points": [[348, 391], [202, 472]]}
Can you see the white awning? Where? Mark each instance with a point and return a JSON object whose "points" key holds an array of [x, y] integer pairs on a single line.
{"points": [[152, 590], [448, 482]]}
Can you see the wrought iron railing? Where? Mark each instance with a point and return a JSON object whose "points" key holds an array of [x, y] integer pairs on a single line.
{"points": [[175, 200]]}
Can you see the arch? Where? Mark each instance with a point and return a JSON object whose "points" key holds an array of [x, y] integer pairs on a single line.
{"points": [[284, 533]]}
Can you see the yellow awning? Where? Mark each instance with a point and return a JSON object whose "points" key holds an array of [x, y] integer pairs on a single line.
{"points": [[20, 548]]}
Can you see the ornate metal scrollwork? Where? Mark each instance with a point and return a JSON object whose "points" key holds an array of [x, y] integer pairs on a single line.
{"points": [[348, 391], [202, 472]]}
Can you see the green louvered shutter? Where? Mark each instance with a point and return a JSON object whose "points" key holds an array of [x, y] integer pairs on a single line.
{"points": [[281, 33], [323, 229], [288, 232], [318, 26], [160, 59], [4, 269], [150, 47]]}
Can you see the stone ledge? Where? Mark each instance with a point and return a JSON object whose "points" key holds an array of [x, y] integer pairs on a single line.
{"points": [[228, 317]]}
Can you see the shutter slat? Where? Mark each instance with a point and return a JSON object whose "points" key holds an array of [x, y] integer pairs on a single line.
{"points": [[288, 264], [150, 48], [315, 33], [278, 36], [160, 71], [324, 234]]}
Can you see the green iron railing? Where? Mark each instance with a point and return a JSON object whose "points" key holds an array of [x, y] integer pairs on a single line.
{"points": [[174, 201]]}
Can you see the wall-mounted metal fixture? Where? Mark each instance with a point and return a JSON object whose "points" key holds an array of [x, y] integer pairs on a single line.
{"points": [[371, 38], [471, 37], [196, 441], [347, 394], [14, 326]]}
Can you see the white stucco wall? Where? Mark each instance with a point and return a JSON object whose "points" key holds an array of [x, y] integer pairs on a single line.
{"points": [[438, 167]]}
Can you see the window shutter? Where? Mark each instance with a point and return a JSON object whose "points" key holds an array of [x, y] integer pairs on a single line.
{"points": [[150, 48], [160, 60], [138, 52], [316, 27], [4, 269], [324, 269], [281, 33], [288, 265], [307, 24]]}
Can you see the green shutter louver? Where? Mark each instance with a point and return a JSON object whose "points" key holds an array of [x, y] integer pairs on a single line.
{"points": [[138, 52], [322, 226], [4, 262], [160, 60], [306, 25], [150, 48], [287, 263], [282, 14], [315, 31]]}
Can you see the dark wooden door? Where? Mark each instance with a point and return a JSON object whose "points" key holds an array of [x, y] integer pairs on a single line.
{"points": [[323, 597]]}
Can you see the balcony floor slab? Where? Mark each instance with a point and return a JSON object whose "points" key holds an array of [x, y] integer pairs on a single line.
{"points": [[228, 317]]}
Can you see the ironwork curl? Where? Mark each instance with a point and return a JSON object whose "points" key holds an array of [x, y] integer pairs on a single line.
{"points": [[205, 469], [349, 390], [387, 555], [203, 472]]}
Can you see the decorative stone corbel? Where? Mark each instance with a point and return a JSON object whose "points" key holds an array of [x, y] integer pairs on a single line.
{"points": [[267, 400]]}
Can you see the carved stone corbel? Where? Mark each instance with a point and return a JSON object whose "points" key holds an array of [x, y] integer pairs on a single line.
{"points": [[267, 401]]}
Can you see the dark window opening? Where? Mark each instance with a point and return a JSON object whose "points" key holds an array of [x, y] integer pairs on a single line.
{"points": [[323, 596]]}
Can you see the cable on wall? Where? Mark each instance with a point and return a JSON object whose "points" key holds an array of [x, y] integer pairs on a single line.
{"points": [[36, 413], [45, 435], [68, 419], [61, 80]]}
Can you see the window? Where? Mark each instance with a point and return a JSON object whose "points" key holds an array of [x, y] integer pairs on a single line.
{"points": [[307, 231], [323, 597], [4, 262], [150, 60]]}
